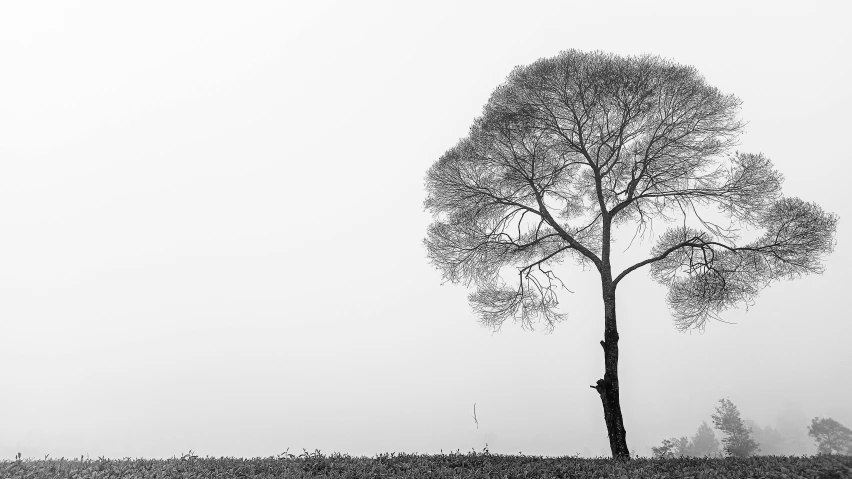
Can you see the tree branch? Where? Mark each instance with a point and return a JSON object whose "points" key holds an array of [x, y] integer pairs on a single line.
{"points": [[648, 261]]}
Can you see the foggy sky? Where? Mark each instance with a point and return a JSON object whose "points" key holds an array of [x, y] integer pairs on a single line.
{"points": [[211, 231]]}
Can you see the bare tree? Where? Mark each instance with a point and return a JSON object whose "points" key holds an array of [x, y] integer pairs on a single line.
{"points": [[571, 147]]}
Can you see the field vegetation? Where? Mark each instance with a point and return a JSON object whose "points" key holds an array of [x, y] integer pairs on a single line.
{"points": [[456, 465]]}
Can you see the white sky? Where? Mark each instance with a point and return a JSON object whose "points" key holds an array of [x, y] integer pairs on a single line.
{"points": [[211, 230]]}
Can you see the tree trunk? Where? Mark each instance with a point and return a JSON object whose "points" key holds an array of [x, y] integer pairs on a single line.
{"points": [[607, 387]]}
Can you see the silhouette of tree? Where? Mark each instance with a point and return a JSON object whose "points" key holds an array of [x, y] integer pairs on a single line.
{"points": [[769, 439], [793, 425], [831, 436], [704, 443], [674, 447], [738, 442], [571, 147]]}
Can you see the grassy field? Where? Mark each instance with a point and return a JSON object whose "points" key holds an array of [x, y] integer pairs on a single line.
{"points": [[456, 465]]}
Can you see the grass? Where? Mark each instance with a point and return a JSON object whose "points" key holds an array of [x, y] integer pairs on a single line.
{"points": [[456, 465]]}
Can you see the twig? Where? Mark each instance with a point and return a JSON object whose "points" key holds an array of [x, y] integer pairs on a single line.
{"points": [[474, 416]]}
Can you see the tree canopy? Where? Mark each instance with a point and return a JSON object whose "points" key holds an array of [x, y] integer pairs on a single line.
{"points": [[572, 146]]}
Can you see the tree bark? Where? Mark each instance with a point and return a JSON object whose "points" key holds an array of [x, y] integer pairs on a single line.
{"points": [[607, 387]]}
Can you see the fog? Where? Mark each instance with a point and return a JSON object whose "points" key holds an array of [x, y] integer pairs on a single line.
{"points": [[211, 232]]}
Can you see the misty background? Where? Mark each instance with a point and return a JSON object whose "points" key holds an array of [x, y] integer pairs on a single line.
{"points": [[211, 231]]}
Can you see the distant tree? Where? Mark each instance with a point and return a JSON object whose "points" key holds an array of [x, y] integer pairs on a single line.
{"points": [[704, 443], [571, 147], [738, 442], [793, 425], [770, 440], [674, 447], [831, 436]]}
